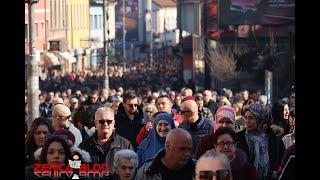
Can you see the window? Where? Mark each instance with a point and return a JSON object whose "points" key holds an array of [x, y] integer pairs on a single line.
{"points": [[95, 22], [37, 30], [26, 32], [91, 19], [42, 29]]}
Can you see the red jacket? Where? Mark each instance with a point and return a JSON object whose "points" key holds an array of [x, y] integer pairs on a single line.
{"points": [[141, 135]]}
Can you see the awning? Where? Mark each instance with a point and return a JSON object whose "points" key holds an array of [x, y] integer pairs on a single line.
{"points": [[66, 56], [49, 59]]}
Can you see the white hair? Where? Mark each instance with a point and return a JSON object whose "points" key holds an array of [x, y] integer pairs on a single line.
{"points": [[214, 155], [263, 99], [102, 110], [125, 154]]}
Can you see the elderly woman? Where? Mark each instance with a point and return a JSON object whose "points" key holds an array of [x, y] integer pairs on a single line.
{"points": [[125, 165], [149, 112], [224, 141], [263, 148], [213, 165], [35, 139], [156, 139]]}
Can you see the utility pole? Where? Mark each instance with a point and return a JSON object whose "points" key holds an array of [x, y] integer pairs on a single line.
{"points": [[33, 70], [124, 33], [149, 12], [105, 44]]}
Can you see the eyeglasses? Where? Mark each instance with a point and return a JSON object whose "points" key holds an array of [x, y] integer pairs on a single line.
{"points": [[222, 144], [103, 121], [132, 105], [183, 112], [41, 132], [220, 175], [62, 117]]}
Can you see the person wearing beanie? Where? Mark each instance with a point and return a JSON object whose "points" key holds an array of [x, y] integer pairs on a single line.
{"points": [[61, 119], [155, 140], [263, 148], [224, 117], [197, 125]]}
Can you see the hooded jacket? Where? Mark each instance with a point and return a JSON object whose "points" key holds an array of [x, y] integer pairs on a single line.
{"points": [[126, 127]]}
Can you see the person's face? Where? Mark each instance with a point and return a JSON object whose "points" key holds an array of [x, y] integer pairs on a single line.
{"points": [[104, 123], [78, 93], [286, 112], [126, 169], [75, 105], [210, 164], [115, 107], [200, 104], [149, 112], [224, 122], [206, 96], [180, 152], [105, 93], [56, 153], [69, 92], [50, 96], [60, 122], [245, 95], [163, 128], [178, 100], [226, 145], [40, 134], [250, 121], [131, 105], [164, 104], [172, 96], [236, 109], [93, 98]]}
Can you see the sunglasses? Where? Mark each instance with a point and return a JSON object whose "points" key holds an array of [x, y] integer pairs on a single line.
{"points": [[183, 112], [132, 105], [103, 121], [220, 175]]}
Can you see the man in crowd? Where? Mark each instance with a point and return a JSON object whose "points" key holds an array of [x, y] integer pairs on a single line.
{"points": [[209, 102], [194, 123], [129, 118], [45, 108], [172, 162], [164, 104], [104, 143], [61, 119]]}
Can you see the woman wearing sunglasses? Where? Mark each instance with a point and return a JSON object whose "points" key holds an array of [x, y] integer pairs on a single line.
{"points": [[35, 139], [155, 140], [224, 140], [213, 166]]}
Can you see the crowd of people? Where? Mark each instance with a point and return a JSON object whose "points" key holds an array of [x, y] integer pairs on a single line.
{"points": [[159, 132]]}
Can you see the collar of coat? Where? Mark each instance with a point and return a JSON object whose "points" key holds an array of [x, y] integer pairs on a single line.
{"points": [[155, 168]]}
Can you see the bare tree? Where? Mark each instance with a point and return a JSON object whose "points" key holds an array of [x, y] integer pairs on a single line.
{"points": [[222, 63]]}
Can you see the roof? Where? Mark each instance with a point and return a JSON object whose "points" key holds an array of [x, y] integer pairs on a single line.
{"points": [[165, 3]]}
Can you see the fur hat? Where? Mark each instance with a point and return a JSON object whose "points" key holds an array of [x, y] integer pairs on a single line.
{"points": [[225, 112]]}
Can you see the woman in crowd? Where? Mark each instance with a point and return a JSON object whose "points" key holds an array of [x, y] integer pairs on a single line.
{"points": [[281, 117], [239, 124], [35, 139], [149, 112], [156, 139], [263, 148], [224, 141]]}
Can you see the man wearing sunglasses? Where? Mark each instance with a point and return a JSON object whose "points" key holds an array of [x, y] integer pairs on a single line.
{"points": [[197, 125], [104, 143], [129, 118], [61, 119]]}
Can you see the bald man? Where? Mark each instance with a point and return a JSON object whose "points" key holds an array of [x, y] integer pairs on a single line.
{"points": [[172, 162], [197, 125]]}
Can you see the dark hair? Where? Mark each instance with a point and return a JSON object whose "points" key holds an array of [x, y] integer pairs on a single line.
{"points": [[95, 92], [150, 98], [163, 96], [44, 152], [224, 130], [277, 111], [31, 145], [129, 95], [198, 98]]}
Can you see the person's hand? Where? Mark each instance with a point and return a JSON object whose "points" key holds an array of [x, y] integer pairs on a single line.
{"points": [[148, 126]]}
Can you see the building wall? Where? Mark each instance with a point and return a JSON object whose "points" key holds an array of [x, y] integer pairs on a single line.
{"points": [[41, 28], [58, 23], [96, 24], [77, 16]]}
